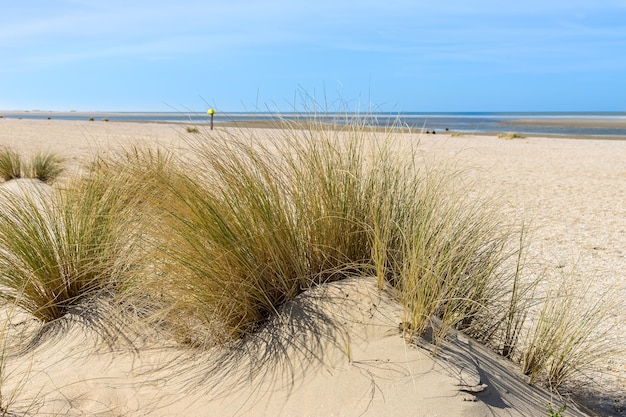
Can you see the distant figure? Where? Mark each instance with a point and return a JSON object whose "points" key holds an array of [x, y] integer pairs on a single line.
{"points": [[434, 133], [428, 132], [446, 129]]}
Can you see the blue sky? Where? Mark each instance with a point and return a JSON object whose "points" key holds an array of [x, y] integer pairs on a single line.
{"points": [[239, 55]]}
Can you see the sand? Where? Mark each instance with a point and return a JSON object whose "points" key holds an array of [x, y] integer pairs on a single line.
{"points": [[337, 350]]}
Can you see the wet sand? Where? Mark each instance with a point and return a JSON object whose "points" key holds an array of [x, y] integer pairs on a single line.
{"points": [[570, 121]]}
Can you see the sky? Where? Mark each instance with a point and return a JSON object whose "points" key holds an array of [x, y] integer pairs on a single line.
{"points": [[332, 55]]}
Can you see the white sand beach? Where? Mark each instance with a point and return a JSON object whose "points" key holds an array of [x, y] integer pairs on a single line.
{"points": [[337, 350]]}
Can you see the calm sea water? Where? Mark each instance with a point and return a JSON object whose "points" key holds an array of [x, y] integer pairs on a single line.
{"points": [[467, 122]]}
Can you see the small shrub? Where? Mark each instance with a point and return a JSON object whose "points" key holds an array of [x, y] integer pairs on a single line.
{"points": [[192, 129], [558, 412]]}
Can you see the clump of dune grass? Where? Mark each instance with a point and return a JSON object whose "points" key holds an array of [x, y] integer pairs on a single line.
{"points": [[454, 269], [568, 336], [510, 136], [10, 164], [246, 223], [59, 248], [137, 163], [192, 129], [249, 223], [454, 260], [45, 166], [232, 243]]}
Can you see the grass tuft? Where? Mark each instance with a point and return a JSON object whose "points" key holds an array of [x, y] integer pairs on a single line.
{"points": [[46, 167], [569, 336], [212, 244], [249, 223], [63, 247], [10, 164], [510, 136]]}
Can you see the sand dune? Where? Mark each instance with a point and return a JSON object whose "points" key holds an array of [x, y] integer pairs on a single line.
{"points": [[337, 350]]}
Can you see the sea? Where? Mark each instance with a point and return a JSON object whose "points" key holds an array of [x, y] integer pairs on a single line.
{"points": [[600, 124]]}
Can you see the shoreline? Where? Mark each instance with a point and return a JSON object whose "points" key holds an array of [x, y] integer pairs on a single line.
{"points": [[618, 122], [570, 126], [277, 124]]}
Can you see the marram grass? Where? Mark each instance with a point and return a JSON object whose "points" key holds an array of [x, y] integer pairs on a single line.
{"points": [[10, 164], [45, 166], [61, 247], [249, 223], [569, 335], [211, 244]]}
